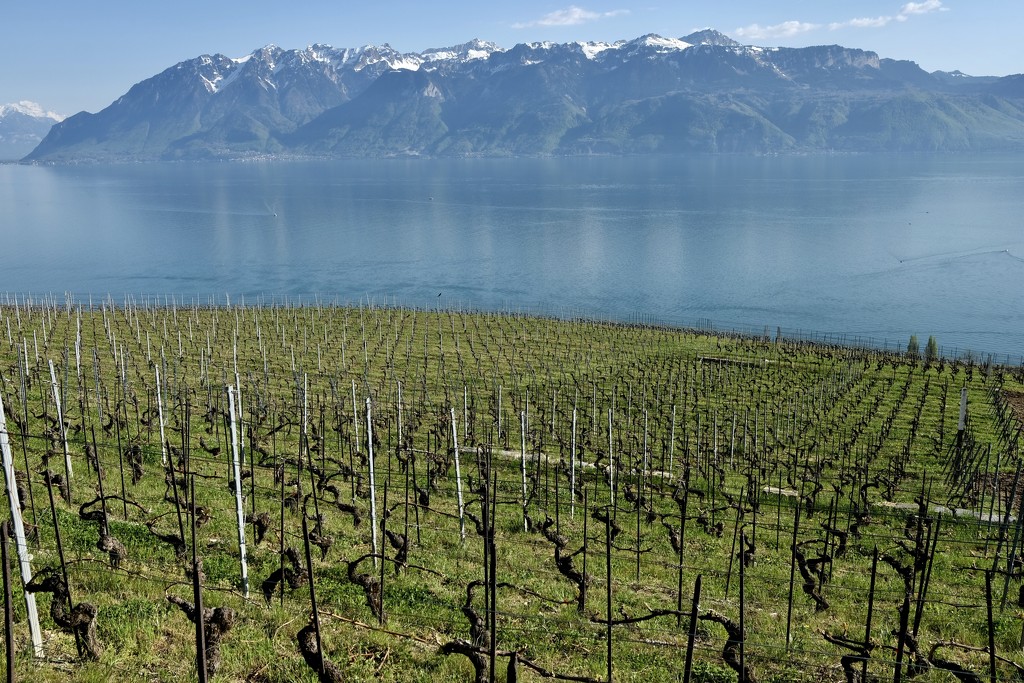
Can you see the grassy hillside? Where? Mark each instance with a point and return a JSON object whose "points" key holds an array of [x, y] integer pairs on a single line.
{"points": [[611, 432]]}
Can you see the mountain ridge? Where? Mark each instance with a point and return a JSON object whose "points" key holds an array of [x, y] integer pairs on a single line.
{"points": [[23, 125], [702, 92]]}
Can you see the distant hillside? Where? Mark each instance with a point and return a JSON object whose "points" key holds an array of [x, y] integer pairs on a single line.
{"points": [[701, 93], [22, 126]]}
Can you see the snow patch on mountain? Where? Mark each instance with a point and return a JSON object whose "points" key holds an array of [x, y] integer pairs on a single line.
{"points": [[466, 52], [592, 49], [27, 108], [661, 44]]}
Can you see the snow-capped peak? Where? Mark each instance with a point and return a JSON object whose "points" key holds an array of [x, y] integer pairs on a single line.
{"points": [[661, 44], [28, 108], [592, 49], [710, 36], [474, 49]]}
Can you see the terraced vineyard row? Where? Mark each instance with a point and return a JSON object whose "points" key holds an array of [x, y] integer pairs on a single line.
{"points": [[445, 496]]}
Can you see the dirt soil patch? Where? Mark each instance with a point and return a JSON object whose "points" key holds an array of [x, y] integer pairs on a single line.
{"points": [[1016, 401]]}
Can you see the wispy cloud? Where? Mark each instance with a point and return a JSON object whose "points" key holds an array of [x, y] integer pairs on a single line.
{"points": [[783, 30], [925, 7], [861, 22], [791, 28], [570, 16]]}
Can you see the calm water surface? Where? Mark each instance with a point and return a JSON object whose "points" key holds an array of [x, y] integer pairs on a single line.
{"points": [[879, 247]]}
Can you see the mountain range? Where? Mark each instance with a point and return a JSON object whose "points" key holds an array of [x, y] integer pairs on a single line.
{"points": [[22, 126], [702, 93]]}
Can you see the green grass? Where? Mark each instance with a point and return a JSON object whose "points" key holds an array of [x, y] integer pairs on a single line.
{"points": [[799, 411]]}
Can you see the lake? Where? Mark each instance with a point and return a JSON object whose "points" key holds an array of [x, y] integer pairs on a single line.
{"points": [[877, 247]]}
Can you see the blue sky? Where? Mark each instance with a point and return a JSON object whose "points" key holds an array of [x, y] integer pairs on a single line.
{"points": [[70, 55]]}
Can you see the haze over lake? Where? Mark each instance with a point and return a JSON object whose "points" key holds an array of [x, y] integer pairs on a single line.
{"points": [[869, 246]]}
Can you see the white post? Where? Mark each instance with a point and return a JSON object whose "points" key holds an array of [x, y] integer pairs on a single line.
{"points": [[60, 418], [160, 414], [373, 487], [239, 509], [522, 451], [241, 419], [458, 477], [19, 534]]}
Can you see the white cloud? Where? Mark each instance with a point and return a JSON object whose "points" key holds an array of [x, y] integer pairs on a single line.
{"points": [[922, 7], [570, 16], [792, 28], [783, 30], [861, 22]]}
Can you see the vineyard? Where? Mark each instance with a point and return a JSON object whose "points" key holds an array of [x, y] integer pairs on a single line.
{"points": [[276, 493]]}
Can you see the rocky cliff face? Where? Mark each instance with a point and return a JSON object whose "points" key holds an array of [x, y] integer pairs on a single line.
{"points": [[700, 93]]}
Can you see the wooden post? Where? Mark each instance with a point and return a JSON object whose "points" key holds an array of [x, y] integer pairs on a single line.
{"points": [[608, 589], [355, 414], [572, 469], [583, 588], [239, 507], [792, 577], [743, 637], [60, 548], [522, 453], [611, 465], [962, 422], [672, 445], [991, 627], [682, 540], [8, 606], [732, 551], [312, 593], [197, 591], [383, 563], [19, 534], [871, 608], [373, 483], [687, 667], [492, 557]]}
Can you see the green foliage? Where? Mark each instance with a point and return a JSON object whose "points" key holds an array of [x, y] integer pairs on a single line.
{"points": [[913, 348]]}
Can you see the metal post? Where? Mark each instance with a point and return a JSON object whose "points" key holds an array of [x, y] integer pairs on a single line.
{"points": [[63, 432], [19, 534], [239, 508], [458, 477], [160, 413]]}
